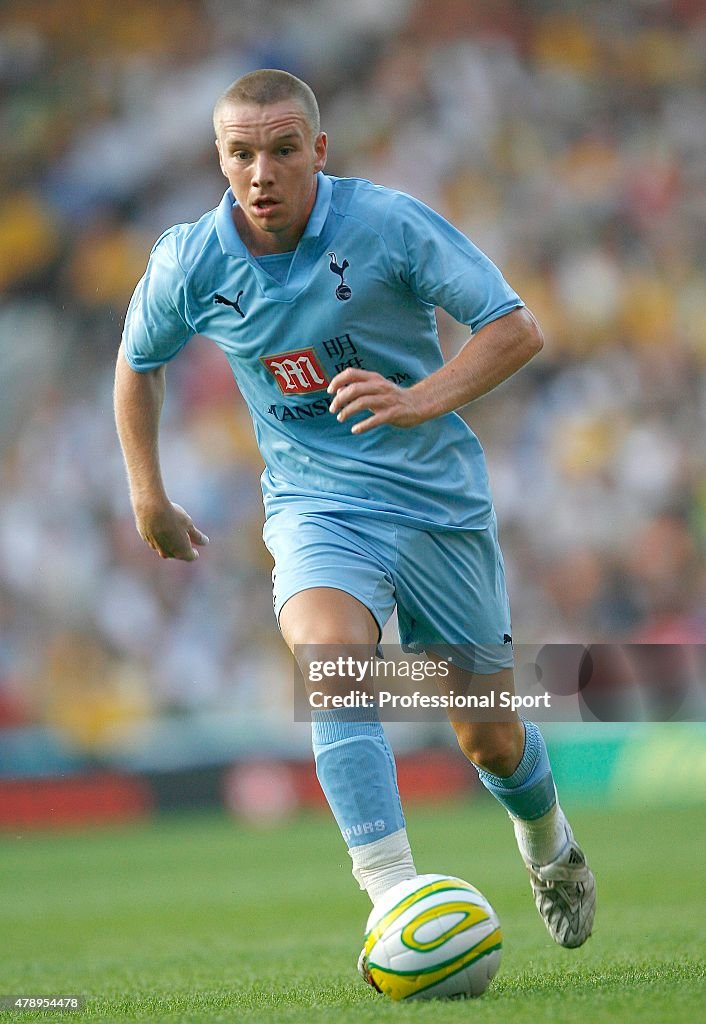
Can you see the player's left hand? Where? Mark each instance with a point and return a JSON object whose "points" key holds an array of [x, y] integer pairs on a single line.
{"points": [[363, 390]]}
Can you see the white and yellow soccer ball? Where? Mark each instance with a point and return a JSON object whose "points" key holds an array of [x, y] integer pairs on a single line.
{"points": [[433, 936]]}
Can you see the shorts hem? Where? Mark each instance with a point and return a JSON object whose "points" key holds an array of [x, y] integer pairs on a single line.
{"points": [[279, 605]]}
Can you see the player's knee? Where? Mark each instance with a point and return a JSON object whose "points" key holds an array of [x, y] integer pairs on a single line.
{"points": [[327, 660], [494, 747], [315, 658]]}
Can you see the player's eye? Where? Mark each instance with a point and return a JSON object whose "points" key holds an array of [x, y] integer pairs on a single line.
{"points": [[286, 150], [241, 155]]}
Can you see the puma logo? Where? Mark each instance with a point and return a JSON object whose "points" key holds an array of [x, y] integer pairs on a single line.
{"points": [[222, 300]]}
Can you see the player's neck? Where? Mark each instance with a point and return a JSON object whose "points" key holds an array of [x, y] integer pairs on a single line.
{"points": [[265, 243]]}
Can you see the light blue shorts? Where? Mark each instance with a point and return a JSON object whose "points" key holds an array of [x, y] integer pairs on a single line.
{"points": [[449, 588]]}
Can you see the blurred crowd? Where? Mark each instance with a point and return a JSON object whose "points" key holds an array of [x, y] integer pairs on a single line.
{"points": [[565, 138]]}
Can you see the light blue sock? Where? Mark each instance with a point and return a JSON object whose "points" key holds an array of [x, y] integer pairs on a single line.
{"points": [[356, 769], [529, 792]]}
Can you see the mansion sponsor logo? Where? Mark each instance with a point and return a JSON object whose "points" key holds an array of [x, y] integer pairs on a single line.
{"points": [[300, 371], [297, 372]]}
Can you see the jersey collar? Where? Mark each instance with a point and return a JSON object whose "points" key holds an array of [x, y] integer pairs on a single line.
{"points": [[227, 232]]}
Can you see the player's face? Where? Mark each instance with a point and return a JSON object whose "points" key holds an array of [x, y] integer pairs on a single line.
{"points": [[270, 159]]}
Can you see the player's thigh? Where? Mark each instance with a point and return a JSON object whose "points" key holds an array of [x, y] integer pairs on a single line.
{"points": [[327, 616], [327, 631], [332, 584]]}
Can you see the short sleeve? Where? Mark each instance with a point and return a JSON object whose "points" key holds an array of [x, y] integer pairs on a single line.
{"points": [[443, 267], [157, 324]]}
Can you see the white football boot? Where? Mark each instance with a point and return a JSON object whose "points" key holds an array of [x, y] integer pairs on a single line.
{"points": [[565, 894]]}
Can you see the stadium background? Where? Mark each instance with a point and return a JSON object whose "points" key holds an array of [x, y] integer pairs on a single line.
{"points": [[566, 138]]}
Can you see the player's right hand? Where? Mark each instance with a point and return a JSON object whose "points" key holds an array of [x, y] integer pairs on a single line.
{"points": [[170, 531]]}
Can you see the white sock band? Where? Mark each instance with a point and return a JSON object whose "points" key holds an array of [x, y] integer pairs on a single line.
{"points": [[380, 865], [541, 840]]}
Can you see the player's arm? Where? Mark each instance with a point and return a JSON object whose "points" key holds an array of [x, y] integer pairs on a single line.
{"points": [[498, 350], [138, 400]]}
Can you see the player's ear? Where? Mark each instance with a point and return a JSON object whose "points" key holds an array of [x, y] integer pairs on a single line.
{"points": [[320, 151], [220, 158]]}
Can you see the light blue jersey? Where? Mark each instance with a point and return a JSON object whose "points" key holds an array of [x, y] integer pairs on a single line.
{"points": [[360, 291]]}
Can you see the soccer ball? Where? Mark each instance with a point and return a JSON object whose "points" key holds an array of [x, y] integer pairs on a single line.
{"points": [[432, 936]]}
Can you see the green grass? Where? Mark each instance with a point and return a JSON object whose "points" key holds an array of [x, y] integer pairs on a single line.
{"points": [[199, 919]]}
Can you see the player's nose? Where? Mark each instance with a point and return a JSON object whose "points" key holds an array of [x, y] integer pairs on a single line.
{"points": [[262, 170]]}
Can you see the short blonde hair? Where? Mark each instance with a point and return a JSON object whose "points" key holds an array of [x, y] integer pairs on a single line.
{"points": [[268, 86]]}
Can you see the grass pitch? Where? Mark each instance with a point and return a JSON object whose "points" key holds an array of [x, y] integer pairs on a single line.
{"points": [[198, 919]]}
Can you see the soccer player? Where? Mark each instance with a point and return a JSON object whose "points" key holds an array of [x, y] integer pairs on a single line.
{"points": [[321, 292]]}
